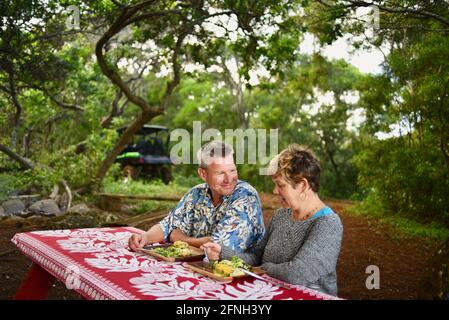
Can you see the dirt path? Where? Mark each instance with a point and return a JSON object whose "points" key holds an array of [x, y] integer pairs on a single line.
{"points": [[402, 261]]}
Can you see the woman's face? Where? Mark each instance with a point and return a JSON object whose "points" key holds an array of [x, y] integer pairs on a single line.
{"points": [[289, 195]]}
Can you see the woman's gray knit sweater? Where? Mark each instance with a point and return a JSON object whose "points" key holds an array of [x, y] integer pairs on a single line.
{"points": [[298, 252]]}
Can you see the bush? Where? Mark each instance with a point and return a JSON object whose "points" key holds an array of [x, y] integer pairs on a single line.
{"points": [[8, 184], [187, 181], [404, 225], [408, 179]]}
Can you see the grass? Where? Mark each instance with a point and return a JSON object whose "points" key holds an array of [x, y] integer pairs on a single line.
{"points": [[406, 226], [144, 188], [139, 207], [154, 187]]}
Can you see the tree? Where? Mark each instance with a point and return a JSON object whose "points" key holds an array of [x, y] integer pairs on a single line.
{"points": [[294, 104], [408, 172], [28, 58], [168, 25]]}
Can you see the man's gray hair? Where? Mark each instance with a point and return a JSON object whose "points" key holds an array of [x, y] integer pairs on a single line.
{"points": [[213, 149]]}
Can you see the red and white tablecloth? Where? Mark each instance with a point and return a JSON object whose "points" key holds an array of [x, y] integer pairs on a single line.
{"points": [[98, 264]]}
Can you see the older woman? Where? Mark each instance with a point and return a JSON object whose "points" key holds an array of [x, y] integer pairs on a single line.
{"points": [[302, 243]]}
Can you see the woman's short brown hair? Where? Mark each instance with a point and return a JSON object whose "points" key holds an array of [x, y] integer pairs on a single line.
{"points": [[295, 163]]}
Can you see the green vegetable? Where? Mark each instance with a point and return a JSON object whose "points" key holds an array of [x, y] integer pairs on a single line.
{"points": [[239, 263], [174, 251], [231, 267]]}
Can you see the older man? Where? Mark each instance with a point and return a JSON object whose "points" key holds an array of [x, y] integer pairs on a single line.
{"points": [[224, 210]]}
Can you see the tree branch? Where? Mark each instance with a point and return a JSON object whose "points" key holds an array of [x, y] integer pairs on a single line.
{"points": [[176, 74], [24, 162], [60, 103], [144, 16], [236, 90], [106, 121], [420, 12], [54, 99], [69, 193], [187, 28], [5, 89], [15, 101], [115, 28], [63, 33], [118, 4], [27, 136]]}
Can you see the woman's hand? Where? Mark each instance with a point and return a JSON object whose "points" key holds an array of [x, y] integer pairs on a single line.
{"points": [[213, 250]]}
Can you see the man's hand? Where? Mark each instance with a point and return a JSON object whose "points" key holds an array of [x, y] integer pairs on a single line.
{"points": [[155, 234], [213, 250], [138, 241]]}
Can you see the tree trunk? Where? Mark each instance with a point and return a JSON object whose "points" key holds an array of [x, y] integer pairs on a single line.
{"points": [[444, 151], [26, 143], [127, 17], [24, 162], [443, 126], [106, 121], [334, 164], [330, 155], [236, 88], [18, 113], [120, 145]]}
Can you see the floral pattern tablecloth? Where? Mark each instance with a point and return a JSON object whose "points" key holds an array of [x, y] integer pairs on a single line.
{"points": [[98, 264]]}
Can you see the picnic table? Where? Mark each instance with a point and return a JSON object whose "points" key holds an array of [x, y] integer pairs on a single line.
{"points": [[98, 264]]}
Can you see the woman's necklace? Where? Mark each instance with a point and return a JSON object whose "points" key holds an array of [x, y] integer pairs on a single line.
{"points": [[310, 213]]}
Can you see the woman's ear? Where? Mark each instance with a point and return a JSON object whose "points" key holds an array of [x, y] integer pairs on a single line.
{"points": [[302, 186]]}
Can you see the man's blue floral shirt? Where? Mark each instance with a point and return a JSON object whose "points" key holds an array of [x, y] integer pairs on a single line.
{"points": [[236, 223]]}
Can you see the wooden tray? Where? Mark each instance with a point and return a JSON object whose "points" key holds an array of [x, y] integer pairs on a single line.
{"points": [[205, 269], [198, 254]]}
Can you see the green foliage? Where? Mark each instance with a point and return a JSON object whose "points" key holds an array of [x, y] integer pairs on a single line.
{"points": [[405, 175], [404, 226], [282, 105], [150, 188], [250, 174], [155, 187], [186, 181], [8, 184], [139, 207], [408, 175], [403, 178]]}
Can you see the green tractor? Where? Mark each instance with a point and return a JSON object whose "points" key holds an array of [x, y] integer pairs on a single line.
{"points": [[147, 155]]}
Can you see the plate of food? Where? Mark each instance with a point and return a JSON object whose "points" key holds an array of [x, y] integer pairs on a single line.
{"points": [[174, 252], [224, 270]]}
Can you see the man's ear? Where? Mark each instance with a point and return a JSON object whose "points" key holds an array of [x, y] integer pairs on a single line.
{"points": [[202, 173]]}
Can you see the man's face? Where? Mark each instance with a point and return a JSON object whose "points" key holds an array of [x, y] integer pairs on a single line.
{"points": [[220, 175]]}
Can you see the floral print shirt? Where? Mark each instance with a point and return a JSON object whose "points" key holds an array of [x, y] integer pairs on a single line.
{"points": [[236, 223]]}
